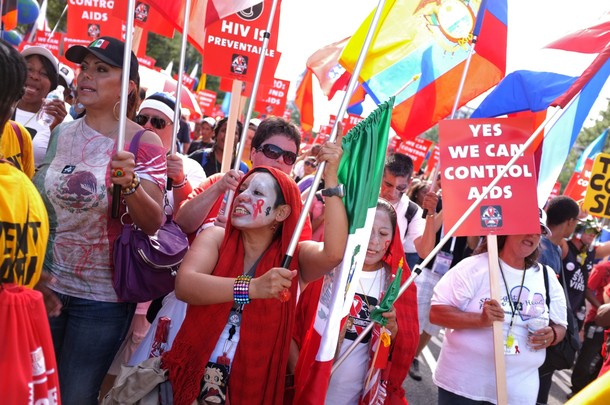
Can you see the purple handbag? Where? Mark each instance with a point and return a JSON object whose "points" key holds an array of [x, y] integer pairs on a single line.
{"points": [[145, 266]]}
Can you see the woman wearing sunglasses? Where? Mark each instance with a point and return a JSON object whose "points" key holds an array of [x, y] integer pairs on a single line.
{"points": [[155, 114], [76, 180]]}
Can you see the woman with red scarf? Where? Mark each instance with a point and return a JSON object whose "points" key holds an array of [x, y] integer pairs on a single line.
{"points": [[233, 344]]}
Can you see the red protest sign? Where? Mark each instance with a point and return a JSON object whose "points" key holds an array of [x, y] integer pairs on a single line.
{"points": [[473, 152], [577, 186], [45, 39], [272, 101], [323, 135], [93, 21], [206, 100], [233, 45], [417, 149], [147, 61], [432, 161]]}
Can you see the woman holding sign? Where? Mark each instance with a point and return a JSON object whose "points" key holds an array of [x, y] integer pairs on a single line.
{"points": [[462, 304]]}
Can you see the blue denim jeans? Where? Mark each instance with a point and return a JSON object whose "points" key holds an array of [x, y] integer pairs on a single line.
{"points": [[86, 337], [412, 259]]}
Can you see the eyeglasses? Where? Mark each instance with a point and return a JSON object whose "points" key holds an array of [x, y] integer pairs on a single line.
{"points": [[311, 163], [274, 152], [156, 122]]}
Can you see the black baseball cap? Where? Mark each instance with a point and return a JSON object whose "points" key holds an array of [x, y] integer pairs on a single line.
{"points": [[109, 50]]}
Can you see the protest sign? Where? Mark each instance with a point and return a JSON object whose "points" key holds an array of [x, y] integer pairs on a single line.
{"points": [[272, 101], [472, 153], [577, 186], [598, 191], [417, 149]]}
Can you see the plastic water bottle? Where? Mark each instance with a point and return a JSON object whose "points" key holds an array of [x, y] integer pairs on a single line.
{"points": [[44, 118]]}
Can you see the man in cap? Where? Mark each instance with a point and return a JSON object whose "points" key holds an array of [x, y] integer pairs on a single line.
{"points": [[204, 131]]}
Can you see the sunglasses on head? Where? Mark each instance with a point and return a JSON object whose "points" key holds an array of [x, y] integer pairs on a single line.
{"points": [[274, 152], [156, 122]]}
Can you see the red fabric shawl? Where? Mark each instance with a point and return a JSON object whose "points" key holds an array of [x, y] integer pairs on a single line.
{"points": [[259, 367]]}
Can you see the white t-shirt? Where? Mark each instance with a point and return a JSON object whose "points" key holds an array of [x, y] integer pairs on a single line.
{"points": [[466, 362], [40, 133], [416, 227], [347, 382], [193, 172]]}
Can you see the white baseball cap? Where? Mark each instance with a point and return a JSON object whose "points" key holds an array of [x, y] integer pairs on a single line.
{"points": [[67, 73], [210, 121], [41, 51]]}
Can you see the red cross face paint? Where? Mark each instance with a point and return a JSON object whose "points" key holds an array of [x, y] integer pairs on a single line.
{"points": [[253, 207]]}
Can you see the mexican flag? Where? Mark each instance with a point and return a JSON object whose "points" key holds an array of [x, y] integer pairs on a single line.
{"points": [[360, 171]]}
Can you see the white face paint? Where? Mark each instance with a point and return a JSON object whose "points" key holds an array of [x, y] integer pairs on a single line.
{"points": [[254, 201], [381, 237]]}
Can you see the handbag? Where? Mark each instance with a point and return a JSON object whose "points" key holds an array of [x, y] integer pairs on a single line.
{"points": [[562, 355], [145, 266]]}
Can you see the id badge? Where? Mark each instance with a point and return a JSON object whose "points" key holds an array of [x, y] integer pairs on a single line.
{"points": [[214, 384], [442, 263], [511, 346]]}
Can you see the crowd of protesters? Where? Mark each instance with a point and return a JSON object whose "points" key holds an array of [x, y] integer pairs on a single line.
{"points": [[235, 310]]}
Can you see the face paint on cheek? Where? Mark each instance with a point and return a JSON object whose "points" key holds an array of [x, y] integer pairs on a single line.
{"points": [[258, 208], [267, 211], [385, 245]]}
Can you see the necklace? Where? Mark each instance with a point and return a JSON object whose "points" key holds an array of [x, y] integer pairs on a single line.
{"points": [[367, 294], [515, 306]]}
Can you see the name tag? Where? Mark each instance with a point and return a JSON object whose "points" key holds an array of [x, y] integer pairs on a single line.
{"points": [[442, 263]]}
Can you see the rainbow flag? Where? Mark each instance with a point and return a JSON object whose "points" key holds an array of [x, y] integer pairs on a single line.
{"points": [[431, 38]]}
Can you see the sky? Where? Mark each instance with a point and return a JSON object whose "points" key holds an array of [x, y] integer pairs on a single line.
{"points": [[306, 26]]}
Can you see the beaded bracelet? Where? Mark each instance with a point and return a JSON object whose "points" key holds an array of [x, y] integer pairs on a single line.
{"points": [[241, 290], [135, 183], [554, 336], [180, 185]]}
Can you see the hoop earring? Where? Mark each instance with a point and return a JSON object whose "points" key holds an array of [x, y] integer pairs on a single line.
{"points": [[114, 113]]}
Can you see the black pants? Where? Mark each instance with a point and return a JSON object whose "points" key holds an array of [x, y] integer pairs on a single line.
{"points": [[589, 360]]}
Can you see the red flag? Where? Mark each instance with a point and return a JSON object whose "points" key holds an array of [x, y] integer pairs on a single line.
{"points": [[304, 101], [203, 13], [145, 16], [9, 14]]}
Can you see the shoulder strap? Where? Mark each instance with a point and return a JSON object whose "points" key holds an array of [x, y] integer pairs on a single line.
{"points": [[546, 284], [135, 142], [19, 135], [411, 211]]}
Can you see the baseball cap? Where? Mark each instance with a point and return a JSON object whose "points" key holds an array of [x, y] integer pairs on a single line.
{"points": [[66, 73], [162, 102], [46, 54], [255, 122], [107, 49], [545, 229], [210, 121]]}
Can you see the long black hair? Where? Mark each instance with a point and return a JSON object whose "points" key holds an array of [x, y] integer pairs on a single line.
{"points": [[13, 72]]}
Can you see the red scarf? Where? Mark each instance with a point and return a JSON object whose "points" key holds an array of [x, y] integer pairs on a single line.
{"points": [[405, 344], [259, 368]]}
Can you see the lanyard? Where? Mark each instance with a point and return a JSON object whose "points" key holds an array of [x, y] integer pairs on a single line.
{"points": [[514, 308]]}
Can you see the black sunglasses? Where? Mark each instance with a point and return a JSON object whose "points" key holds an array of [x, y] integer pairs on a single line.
{"points": [[311, 163], [273, 152], [156, 122]]}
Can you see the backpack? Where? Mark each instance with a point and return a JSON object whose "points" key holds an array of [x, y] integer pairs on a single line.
{"points": [[562, 355], [19, 135]]}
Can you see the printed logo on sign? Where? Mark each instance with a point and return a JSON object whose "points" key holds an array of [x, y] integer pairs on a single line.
{"points": [[141, 12], [239, 64], [251, 13], [491, 216]]}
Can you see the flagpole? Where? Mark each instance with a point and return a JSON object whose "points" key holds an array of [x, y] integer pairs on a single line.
{"points": [[177, 110], [475, 37], [58, 20], [120, 142], [549, 121], [257, 79], [353, 82]]}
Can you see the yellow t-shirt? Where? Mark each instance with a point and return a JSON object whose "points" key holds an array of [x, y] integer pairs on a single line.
{"points": [[11, 150], [24, 228]]}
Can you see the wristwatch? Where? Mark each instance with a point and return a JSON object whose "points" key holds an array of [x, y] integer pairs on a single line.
{"points": [[338, 191]]}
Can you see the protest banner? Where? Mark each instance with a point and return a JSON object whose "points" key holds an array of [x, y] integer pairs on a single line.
{"points": [[577, 186], [233, 45], [91, 20], [417, 149], [207, 100], [597, 198], [472, 153], [271, 101]]}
